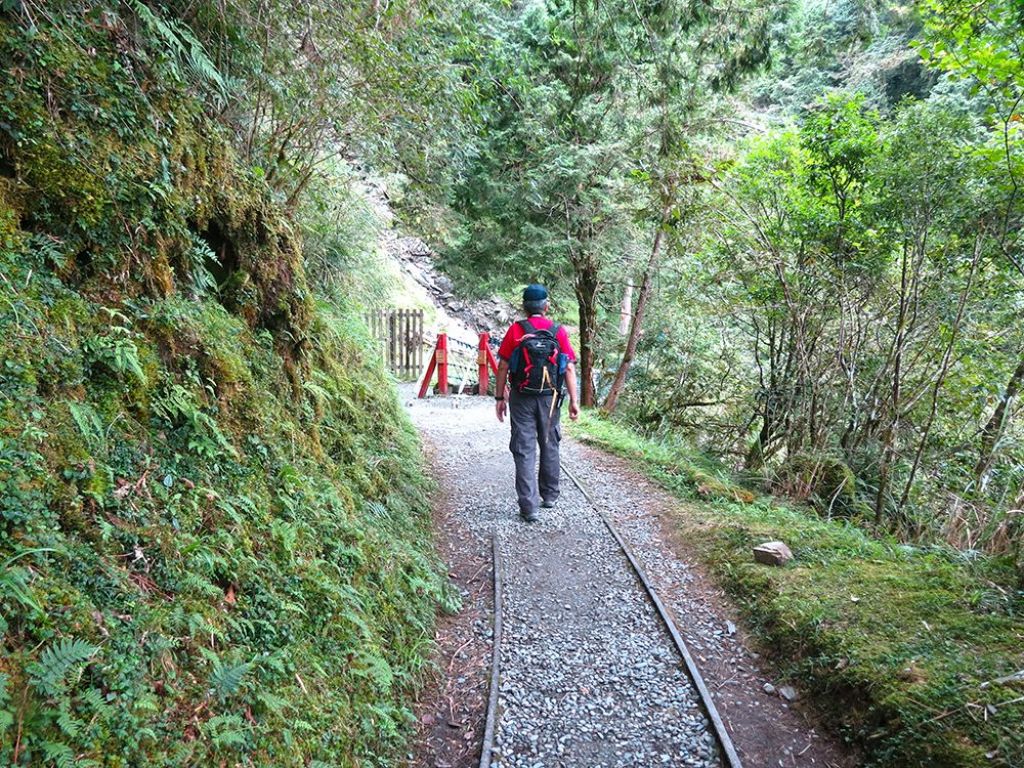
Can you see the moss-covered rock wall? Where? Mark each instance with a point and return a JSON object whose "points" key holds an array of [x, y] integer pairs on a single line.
{"points": [[213, 540]]}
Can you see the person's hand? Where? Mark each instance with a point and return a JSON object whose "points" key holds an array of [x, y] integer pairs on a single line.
{"points": [[574, 410], [500, 408]]}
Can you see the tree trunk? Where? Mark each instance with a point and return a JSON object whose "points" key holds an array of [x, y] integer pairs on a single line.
{"points": [[626, 308], [940, 378], [636, 326], [586, 286], [891, 429], [995, 426]]}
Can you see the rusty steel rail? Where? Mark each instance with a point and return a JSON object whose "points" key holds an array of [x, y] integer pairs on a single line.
{"points": [[729, 755], [492, 701]]}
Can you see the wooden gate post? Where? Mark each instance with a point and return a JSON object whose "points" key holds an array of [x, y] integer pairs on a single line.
{"points": [[483, 375], [442, 363], [438, 361]]}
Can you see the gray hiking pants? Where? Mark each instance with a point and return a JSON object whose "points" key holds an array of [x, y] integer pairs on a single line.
{"points": [[529, 417]]}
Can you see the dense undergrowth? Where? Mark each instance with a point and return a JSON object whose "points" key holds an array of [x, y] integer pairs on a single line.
{"points": [[214, 547], [899, 645]]}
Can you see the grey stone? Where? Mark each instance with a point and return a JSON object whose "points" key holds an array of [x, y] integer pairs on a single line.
{"points": [[772, 553]]}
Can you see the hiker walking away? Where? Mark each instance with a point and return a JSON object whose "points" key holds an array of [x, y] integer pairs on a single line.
{"points": [[536, 359]]}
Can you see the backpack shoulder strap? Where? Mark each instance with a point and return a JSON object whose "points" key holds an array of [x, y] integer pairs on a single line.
{"points": [[527, 326]]}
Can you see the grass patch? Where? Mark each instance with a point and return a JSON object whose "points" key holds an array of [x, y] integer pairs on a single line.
{"points": [[898, 645]]}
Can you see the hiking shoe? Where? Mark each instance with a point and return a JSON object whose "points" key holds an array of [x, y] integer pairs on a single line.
{"points": [[548, 504], [529, 516]]}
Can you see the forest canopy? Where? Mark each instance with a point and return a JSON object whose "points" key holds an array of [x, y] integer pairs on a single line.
{"points": [[792, 235]]}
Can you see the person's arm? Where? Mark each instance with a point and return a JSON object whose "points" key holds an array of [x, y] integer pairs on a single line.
{"points": [[501, 391], [570, 384]]}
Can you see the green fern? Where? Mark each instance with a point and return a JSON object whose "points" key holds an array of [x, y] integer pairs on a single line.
{"points": [[193, 583], [181, 44], [316, 390], [177, 407], [226, 730], [383, 719], [14, 580], [198, 257], [286, 533], [378, 510], [88, 423], [6, 716], [117, 351], [51, 675], [97, 703], [274, 703], [376, 669], [69, 725], [225, 680], [61, 754]]}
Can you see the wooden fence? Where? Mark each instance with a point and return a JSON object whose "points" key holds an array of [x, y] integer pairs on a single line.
{"points": [[399, 332]]}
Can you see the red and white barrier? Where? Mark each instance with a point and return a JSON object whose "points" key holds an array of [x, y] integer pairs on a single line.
{"points": [[439, 362]]}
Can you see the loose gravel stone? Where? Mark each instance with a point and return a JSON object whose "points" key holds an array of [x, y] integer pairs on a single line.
{"points": [[589, 675]]}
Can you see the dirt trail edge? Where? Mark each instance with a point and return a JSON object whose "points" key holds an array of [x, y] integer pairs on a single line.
{"points": [[589, 675]]}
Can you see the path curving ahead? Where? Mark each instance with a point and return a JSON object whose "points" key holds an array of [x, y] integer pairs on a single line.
{"points": [[589, 674]]}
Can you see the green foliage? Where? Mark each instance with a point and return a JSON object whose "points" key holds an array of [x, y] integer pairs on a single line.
{"points": [[893, 641], [15, 581], [839, 308], [226, 679], [978, 42], [116, 348], [50, 675], [214, 545], [182, 44]]}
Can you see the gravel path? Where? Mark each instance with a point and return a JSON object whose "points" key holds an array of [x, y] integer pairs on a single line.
{"points": [[589, 675]]}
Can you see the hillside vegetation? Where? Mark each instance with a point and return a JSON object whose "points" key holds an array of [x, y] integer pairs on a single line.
{"points": [[909, 652], [214, 539]]}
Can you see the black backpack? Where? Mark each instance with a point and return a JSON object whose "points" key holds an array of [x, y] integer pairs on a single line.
{"points": [[535, 367]]}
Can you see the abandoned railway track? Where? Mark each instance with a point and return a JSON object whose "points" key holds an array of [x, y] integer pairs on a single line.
{"points": [[632, 723], [584, 666]]}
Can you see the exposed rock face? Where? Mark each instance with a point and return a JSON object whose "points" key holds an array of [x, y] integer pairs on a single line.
{"points": [[772, 553], [417, 259]]}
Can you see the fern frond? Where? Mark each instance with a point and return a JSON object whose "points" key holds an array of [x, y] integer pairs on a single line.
{"points": [[50, 675], [88, 423], [378, 510], [61, 754], [181, 44], [226, 680], [6, 716], [226, 730], [376, 669], [273, 703], [96, 702], [15, 580], [69, 725]]}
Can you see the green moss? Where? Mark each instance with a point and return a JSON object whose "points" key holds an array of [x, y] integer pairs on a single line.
{"points": [[215, 489], [894, 642]]}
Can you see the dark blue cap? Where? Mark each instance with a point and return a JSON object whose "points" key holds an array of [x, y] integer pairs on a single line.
{"points": [[535, 292]]}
